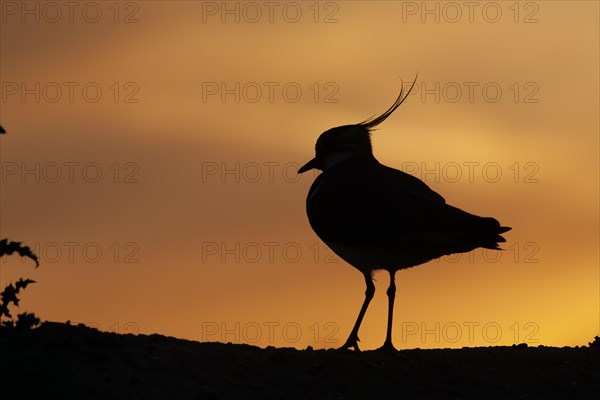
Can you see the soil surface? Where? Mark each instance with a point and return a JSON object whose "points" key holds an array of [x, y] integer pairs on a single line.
{"points": [[62, 361]]}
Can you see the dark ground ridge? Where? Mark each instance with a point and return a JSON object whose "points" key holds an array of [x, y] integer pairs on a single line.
{"points": [[63, 361]]}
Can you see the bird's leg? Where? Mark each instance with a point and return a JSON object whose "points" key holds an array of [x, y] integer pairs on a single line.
{"points": [[369, 293], [391, 292]]}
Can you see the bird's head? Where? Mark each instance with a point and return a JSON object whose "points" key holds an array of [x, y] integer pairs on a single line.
{"points": [[348, 141]]}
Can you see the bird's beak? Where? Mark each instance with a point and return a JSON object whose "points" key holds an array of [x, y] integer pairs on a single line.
{"points": [[308, 166]]}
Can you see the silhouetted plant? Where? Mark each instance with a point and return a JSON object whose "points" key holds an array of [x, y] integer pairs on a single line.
{"points": [[9, 295]]}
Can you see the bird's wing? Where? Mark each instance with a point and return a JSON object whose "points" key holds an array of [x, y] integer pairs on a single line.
{"points": [[376, 205], [410, 183]]}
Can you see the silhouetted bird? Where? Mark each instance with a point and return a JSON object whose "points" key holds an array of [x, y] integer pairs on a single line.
{"points": [[376, 217], [2, 129]]}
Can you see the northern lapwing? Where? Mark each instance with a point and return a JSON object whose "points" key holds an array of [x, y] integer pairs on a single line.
{"points": [[379, 218]]}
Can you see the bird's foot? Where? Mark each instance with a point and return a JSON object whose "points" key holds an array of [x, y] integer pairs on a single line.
{"points": [[387, 347], [352, 342]]}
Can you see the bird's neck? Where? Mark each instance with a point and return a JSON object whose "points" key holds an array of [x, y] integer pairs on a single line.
{"points": [[336, 159]]}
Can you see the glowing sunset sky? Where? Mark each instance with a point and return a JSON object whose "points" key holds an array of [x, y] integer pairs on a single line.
{"points": [[152, 151]]}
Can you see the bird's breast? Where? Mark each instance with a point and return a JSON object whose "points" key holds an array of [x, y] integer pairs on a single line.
{"points": [[314, 189]]}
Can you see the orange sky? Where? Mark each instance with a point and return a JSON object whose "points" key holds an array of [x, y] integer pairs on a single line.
{"points": [[162, 196]]}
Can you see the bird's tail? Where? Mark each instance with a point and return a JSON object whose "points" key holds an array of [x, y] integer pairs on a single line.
{"points": [[491, 241]]}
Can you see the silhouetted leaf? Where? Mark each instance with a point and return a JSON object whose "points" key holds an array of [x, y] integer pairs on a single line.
{"points": [[4, 310], [9, 295], [27, 321], [9, 248], [22, 284]]}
